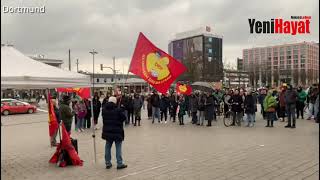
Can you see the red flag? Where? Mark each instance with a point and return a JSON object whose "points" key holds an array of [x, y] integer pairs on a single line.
{"points": [[53, 122], [66, 145], [183, 89], [82, 92], [155, 66]]}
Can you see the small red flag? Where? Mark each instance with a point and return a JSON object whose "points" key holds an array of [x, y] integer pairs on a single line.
{"points": [[82, 92], [183, 89], [53, 122], [66, 145], [155, 66]]}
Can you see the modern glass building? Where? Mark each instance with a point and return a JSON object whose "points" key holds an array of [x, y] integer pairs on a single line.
{"points": [[201, 52]]}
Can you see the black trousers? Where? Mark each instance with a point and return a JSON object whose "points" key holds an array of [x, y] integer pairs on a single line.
{"points": [[181, 120], [194, 118], [164, 113], [87, 122], [300, 108], [130, 116]]}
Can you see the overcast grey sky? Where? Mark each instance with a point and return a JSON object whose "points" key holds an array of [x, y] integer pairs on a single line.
{"points": [[112, 26]]}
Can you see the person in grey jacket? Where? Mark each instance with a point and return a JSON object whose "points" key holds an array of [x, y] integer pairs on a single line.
{"points": [[137, 105]]}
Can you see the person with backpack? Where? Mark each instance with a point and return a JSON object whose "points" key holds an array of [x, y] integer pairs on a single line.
{"points": [[291, 97]]}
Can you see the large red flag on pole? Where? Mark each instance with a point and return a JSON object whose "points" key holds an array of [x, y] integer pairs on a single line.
{"points": [[155, 66], [53, 122]]}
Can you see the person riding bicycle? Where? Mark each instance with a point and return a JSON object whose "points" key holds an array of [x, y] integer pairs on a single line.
{"points": [[226, 99], [236, 102]]}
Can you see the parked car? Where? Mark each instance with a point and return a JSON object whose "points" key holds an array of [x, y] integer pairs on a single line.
{"points": [[13, 100], [16, 108]]}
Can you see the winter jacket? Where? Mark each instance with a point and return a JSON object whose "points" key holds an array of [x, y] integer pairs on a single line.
{"points": [[291, 97], [113, 119], [182, 108], [210, 108], [194, 103], [236, 102], [66, 114], [155, 100], [201, 103], [269, 102], [96, 108], [81, 110], [282, 101], [302, 96], [130, 104], [137, 103], [173, 106], [164, 103], [250, 104]]}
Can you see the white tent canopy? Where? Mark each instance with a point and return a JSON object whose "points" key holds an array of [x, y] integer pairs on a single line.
{"points": [[20, 71]]}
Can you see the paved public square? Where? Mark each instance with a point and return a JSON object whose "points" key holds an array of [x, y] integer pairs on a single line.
{"points": [[167, 151]]}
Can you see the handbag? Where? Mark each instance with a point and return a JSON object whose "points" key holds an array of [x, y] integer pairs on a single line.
{"points": [[271, 109]]}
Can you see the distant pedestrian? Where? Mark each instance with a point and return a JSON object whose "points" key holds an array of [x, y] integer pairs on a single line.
{"points": [[96, 109], [269, 105], [87, 118], [194, 103], [155, 102], [173, 107], [137, 105], [250, 108], [236, 102], [210, 108], [302, 96], [182, 109], [312, 97], [130, 109], [149, 107], [57, 113], [282, 103], [81, 111], [113, 131], [164, 106], [291, 97], [201, 108]]}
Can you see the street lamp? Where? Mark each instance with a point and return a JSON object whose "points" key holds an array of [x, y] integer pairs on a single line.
{"points": [[93, 52]]}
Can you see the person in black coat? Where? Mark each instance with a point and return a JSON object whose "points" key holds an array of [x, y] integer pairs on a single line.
{"points": [[236, 102], [155, 102], [105, 100], [173, 107], [209, 108], [87, 118], [164, 105], [250, 108], [130, 109], [96, 108], [113, 131]]}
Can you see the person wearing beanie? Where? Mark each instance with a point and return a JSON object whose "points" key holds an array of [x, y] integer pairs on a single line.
{"points": [[112, 131]]}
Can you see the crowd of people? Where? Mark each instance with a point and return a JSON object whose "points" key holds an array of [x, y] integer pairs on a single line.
{"points": [[285, 103]]}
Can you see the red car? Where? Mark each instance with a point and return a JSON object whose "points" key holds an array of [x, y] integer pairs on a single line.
{"points": [[17, 107]]}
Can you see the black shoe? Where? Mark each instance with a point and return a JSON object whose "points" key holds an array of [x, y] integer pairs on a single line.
{"points": [[267, 126], [287, 126], [293, 126], [122, 166], [208, 125], [135, 124], [108, 166], [271, 126]]}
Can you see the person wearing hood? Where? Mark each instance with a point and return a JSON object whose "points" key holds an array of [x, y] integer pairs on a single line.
{"points": [[112, 131], [291, 97], [302, 96], [269, 105], [66, 113]]}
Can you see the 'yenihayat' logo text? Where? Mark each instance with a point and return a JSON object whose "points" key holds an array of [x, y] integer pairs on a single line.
{"points": [[299, 24]]}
